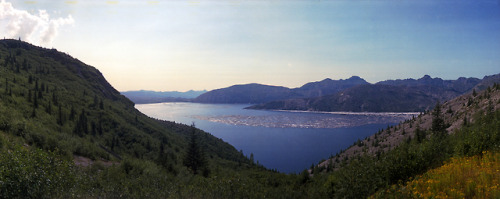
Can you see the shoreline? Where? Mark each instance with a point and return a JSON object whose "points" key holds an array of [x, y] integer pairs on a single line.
{"points": [[348, 113]]}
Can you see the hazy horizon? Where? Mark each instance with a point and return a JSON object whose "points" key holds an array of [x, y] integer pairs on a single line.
{"points": [[186, 45], [290, 87]]}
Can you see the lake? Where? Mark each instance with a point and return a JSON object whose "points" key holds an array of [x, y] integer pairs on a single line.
{"points": [[286, 141]]}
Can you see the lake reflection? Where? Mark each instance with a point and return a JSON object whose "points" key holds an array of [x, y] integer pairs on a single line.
{"points": [[287, 141]]}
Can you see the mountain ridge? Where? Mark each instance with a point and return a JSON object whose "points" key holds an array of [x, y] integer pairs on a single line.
{"points": [[147, 96], [258, 93], [407, 95]]}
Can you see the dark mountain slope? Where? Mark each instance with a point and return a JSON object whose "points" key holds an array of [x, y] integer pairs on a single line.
{"points": [[328, 86], [487, 81], [246, 94], [460, 85], [258, 93], [368, 98], [386, 96]]}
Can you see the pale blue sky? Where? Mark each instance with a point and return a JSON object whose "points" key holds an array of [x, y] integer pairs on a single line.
{"points": [[182, 45]]}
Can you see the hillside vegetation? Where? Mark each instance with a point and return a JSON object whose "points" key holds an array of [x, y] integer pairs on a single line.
{"points": [[402, 152], [461, 177]]}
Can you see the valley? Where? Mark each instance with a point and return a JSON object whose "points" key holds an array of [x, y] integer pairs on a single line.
{"points": [[56, 110]]}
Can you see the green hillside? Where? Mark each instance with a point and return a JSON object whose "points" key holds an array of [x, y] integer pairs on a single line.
{"points": [[53, 101]]}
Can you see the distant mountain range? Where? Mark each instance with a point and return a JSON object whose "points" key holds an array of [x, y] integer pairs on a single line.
{"points": [[353, 94], [145, 96], [258, 93], [386, 96]]}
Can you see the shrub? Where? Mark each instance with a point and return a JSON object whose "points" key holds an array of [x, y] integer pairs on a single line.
{"points": [[34, 174]]}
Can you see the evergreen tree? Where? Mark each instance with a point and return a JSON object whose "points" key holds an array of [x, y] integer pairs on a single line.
{"points": [[82, 127], [72, 114], [252, 158], [99, 128], [54, 98], [101, 105], [35, 101], [438, 125], [29, 95], [93, 127], [419, 134], [60, 120], [48, 108], [195, 159], [96, 101], [33, 113], [162, 156]]}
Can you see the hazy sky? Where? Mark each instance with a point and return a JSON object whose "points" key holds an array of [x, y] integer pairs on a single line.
{"points": [[182, 45]]}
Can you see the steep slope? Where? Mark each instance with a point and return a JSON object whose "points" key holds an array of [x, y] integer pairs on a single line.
{"points": [[456, 113], [52, 101], [487, 81], [382, 163]]}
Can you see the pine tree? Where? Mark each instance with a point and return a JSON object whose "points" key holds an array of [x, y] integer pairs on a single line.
{"points": [[72, 114], [252, 158], [162, 158], [99, 128], [82, 127], [48, 108], [419, 134], [33, 113], [101, 105], [438, 125], [35, 101], [195, 159], [60, 120], [93, 127], [54, 98]]}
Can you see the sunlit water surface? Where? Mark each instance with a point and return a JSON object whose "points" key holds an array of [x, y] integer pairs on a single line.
{"points": [[287, 141]]}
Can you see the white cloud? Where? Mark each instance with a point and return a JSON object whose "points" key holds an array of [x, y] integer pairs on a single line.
{"points": [[38, 29]]}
